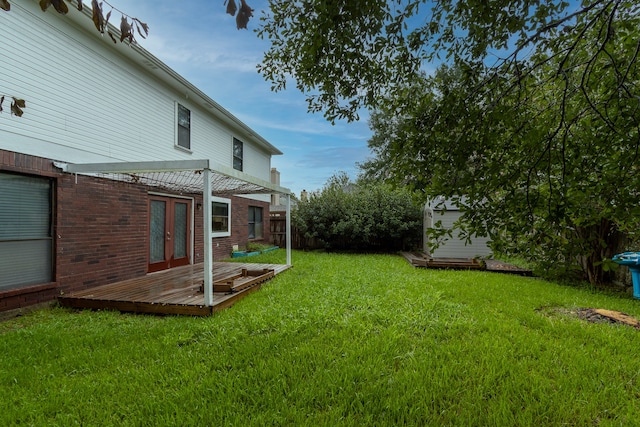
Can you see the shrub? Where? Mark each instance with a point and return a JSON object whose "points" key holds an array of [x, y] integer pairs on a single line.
{"points": [[362, 217]]}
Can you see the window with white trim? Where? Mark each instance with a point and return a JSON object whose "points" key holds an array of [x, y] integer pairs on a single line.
{"points": [[183, 137], [220, 217], [255, 222], [237, 154]]}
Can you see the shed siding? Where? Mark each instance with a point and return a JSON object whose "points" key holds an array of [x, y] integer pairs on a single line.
{"points": [[455, 247]]}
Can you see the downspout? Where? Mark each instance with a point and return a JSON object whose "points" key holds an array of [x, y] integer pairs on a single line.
{"points": [[288, 231], [208, 246]]}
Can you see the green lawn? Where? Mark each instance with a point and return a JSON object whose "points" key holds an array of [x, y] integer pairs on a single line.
{"points": [[338, 340]]}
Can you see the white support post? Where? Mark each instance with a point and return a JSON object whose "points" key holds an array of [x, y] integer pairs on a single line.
{"points": [[288, 236], [208, 245]]}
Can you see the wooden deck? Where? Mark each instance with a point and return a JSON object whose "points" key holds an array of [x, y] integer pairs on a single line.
{"points": [[421, 260], [175, 291], [418, 259]]}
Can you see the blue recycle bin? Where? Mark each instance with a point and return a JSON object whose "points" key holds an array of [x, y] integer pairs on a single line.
{"points": [[631, 260]]}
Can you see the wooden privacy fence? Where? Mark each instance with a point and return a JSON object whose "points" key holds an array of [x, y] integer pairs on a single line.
{"points": [[298, 241]]}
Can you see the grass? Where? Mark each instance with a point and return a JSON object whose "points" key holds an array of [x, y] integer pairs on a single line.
{"points": [[339, 340]]}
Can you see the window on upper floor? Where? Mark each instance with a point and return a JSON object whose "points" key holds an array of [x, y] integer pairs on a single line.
{"points": [[26, 243], [255, 222], [220, 217], [237, 154], [183, 137]]}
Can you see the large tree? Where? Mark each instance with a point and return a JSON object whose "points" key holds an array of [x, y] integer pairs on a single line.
{"points": [[533, 126], [559, 195], [345, 54]]}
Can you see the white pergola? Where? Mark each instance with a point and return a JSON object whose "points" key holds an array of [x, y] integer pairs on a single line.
{"points": [[190, 176]]}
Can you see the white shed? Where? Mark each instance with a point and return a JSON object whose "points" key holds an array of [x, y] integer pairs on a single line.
{"points": [[447, 213]]}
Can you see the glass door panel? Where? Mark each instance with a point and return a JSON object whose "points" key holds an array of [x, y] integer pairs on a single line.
{"points": [[157, 231], [180, 233]]}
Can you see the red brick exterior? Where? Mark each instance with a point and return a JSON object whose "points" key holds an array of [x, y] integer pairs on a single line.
{"points": [[100, 230]]}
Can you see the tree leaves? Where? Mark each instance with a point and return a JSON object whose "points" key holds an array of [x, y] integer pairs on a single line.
{"points": [[127, 29], [341, 54], [126, 32], [244, 14], [536, 122], [59, 5], [17, 105], [97, 17], [552, 182], [346, 55], [231, 7], [242, 18], [360, 216]]}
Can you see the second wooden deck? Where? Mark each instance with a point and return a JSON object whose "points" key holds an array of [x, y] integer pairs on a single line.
{"points": [[175, 291]]}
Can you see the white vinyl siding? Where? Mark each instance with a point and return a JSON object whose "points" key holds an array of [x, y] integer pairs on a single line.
{"points": [[87, 102], [455, 247], [257, 162], [79, 98]]}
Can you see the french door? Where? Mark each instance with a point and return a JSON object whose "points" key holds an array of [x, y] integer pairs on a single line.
{"points": [[169, 232]]}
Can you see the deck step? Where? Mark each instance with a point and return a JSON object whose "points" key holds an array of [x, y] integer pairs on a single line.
{"points": [[245, 279]]}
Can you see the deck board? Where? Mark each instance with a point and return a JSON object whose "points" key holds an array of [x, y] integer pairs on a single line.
{"points": [[174, 291]]}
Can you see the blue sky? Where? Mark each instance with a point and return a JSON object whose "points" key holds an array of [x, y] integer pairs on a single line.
{"points": [[200, 41]]}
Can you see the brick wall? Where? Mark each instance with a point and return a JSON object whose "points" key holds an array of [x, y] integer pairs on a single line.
{"points": [[100, 231]]}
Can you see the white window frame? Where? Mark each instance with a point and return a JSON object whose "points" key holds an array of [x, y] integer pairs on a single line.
{"points": [[234, 157], [261, 222], [177, 128], [228, 203]]}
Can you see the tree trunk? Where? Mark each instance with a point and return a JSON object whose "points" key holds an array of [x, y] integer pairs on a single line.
{"points": [[602, 241]]}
